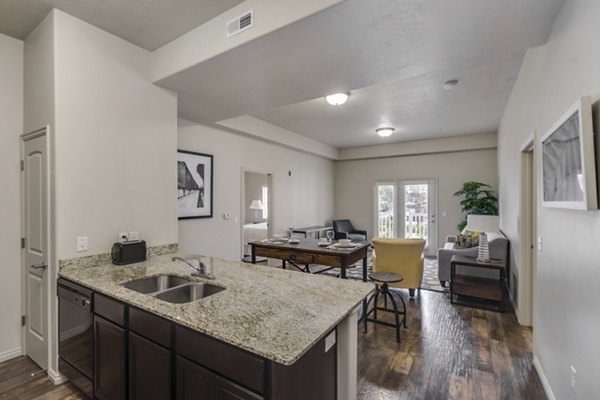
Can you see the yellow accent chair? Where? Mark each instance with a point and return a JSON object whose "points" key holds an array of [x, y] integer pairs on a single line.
{"points": [[400, 256]]}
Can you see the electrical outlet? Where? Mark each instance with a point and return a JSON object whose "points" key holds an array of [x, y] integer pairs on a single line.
{"points": [[82, 243], [133, 235], [236, 220], [539, 244], [573, 381], [123, 237]]}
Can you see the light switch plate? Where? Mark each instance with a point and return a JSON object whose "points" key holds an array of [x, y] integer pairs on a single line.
{"points": [[82, 243]]}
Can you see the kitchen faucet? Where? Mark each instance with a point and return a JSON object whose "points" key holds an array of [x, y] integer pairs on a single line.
{"points": [[200, 270]]}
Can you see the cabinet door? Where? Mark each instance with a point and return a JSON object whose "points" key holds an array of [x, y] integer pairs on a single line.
{"points": [[226, 390], [110, 358], [149, 370], [193, 381]]}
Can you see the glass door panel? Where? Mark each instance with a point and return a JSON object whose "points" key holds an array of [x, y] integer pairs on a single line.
{"points": [[385, 208]]}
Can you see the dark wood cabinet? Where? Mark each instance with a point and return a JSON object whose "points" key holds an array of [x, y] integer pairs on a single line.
{"points": [[149, 370], [110, 360], [193, 381], [226, 390], [141, 356]]}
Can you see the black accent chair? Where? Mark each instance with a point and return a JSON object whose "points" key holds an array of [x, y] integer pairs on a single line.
{"points": [[344, 229]]}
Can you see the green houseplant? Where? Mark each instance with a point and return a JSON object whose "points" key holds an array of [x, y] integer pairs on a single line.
{"points": [[478, 198]]}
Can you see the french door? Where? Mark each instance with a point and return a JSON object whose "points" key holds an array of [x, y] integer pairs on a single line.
{"points": [[407, 209]]}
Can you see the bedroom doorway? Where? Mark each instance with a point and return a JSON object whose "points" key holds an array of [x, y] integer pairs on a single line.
{"points": [[257, 208]]}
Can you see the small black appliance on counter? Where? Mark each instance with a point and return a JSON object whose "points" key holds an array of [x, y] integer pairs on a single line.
{"points": [[124, 253]]}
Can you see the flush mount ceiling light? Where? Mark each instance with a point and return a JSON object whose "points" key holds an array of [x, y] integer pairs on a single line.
{"points": [[337, 99], [451, 84], [384, 132]]}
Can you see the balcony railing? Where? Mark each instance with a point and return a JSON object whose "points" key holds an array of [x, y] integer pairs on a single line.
{"points": [[415, 226], [386, 226]]}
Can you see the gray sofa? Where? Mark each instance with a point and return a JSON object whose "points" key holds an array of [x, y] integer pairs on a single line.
{"points": [[498, 244]]}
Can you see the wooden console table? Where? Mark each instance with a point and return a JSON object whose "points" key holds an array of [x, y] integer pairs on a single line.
{"points": [[481, 288], [309, 252]]}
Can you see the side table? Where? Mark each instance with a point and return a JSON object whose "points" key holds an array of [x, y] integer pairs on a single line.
{"points": [[475, 287]]}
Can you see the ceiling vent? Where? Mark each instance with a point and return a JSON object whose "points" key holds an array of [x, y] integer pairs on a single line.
{"points": [[241, 23]]}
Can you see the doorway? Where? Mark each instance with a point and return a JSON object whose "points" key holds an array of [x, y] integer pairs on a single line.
{"points": [[407, 209], [522, 281], [34, 244], [257, 208]]}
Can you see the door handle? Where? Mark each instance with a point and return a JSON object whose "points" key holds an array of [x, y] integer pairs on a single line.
{"points": [[40, 266]]}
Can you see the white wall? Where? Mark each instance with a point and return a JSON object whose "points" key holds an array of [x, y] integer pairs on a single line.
{"points": [[116, 141], [113, 139], [355, 180], [566, 322], [303, 199], [11, 126]]}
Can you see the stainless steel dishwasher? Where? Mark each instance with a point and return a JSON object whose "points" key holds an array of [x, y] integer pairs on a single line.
{"points": [[76, 339]]}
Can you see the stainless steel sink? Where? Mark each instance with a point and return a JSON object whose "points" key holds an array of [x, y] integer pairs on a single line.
{"points": [[156, 283], [189, 292]]}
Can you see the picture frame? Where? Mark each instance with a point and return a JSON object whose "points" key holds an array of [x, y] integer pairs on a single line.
{"points": [[194, 185], [568, 160]]}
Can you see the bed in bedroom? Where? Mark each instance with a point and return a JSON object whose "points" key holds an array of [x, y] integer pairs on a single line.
{"points": [[252, 233]]}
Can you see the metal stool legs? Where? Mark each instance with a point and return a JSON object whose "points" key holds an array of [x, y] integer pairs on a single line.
{"points": [[384, 290]]}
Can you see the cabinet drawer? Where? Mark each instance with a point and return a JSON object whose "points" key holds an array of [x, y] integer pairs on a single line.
{"points": [[110, 309], [237, 365], [150, 326], [297, 257]]}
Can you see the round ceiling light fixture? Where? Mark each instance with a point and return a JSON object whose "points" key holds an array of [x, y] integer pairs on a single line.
{"points": [[337, 99], [451, 84], [384, 132]]}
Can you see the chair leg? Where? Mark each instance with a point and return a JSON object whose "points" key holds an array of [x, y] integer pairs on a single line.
{"points": [[443, 283], [396, 315], [411, 292], [377, 290]]}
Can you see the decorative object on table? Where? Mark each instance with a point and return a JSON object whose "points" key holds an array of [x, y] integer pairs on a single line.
{"points": [[484, 224], [290, 231], [330, 235], [479, 198], [400, 256], [466, 241], [343, 229], [257, 206], [194, 185], [568, 160]]}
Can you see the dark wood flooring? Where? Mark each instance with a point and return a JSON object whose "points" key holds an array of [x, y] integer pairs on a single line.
{"points": [[447, 352]]}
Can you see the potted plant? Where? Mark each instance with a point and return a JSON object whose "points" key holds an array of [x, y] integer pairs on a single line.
{"points": [[479, 199]]}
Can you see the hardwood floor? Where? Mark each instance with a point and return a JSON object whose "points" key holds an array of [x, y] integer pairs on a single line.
{"points": [[16, 382], [447, 352]]}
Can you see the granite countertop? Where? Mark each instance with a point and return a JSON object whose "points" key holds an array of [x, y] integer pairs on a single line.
{"points": [[276, 314]]}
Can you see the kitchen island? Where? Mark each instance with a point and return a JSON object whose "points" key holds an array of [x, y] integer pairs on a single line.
{"points": [[281, 320]]}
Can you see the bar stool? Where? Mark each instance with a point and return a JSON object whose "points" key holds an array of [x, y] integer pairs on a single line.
{"points": [[382, 279]]}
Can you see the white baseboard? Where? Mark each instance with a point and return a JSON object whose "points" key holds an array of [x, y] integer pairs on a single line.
{"points": [[543, 379], [10, 354], [56, 377]]}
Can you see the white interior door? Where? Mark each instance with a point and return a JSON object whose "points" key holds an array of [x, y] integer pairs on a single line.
{"points": [[418, 212], [35, 252]]}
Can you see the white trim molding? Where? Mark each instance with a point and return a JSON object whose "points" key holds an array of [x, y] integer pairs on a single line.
{"points": [[543, 379], [10, 354], [56, 377]]}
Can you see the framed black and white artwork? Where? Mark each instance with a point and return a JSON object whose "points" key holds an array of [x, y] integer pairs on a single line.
{"points": [[194, 185]]}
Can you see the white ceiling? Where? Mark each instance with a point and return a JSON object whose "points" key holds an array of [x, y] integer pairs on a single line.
{"points": [[393, 55], [146, 23]]}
